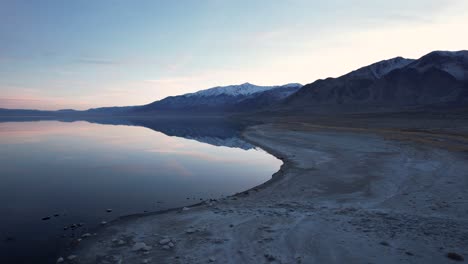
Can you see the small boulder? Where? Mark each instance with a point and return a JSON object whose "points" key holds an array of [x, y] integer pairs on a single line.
{"points": [[212, 259], [71, 257], [60, 260]]}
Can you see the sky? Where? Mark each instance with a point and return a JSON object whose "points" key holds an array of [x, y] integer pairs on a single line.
{"points": [[57, 54]]}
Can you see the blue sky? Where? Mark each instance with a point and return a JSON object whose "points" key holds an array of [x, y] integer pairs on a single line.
{"points": [[81, 54]]}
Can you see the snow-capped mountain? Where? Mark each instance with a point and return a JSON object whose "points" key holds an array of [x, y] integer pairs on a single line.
{"points": [[221, 99], [237, 90]]}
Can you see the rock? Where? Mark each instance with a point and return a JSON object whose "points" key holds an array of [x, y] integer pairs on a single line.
{"points": [[383, 243], [56, 215], [60, 260], [212, 259], [166, 247], [185, 209], [71, 257], [120, 242], [164, 241], [103, 223], [86, 235], [171, 244], [270, 257], [455, 256], [109, 210], [190, 231], [141, 246], [46, 218], [145, 261]]}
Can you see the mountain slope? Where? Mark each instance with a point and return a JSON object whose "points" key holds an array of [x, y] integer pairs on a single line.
{"points": [[436, 78]]}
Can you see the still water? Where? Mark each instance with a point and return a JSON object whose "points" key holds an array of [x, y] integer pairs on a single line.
{"points": [[73, 172]]}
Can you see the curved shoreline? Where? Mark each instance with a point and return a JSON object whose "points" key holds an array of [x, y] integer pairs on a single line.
{"points": [[309, 199]]}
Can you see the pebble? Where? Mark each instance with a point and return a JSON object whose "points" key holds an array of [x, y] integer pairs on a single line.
{"points": [[141, 246], [190, 231], [270, 257], [164, 241]]}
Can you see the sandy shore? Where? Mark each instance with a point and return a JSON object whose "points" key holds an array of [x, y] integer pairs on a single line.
{"points": [[341, 196]]}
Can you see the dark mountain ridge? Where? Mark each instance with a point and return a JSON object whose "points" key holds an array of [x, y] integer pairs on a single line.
{"points": [[438, 78]]}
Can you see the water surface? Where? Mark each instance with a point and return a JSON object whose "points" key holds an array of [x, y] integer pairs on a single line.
{"points": [[73, 172]]}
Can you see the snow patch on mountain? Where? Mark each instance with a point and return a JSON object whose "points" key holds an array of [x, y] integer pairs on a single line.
{"points": [[453, 62], [237, 90], [381, 68]]}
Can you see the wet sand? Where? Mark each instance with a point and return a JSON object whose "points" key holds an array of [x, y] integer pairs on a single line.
{"points": [[341, 196]]}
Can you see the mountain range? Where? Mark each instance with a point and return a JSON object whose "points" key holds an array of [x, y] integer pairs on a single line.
{"points": [[438, 79]]}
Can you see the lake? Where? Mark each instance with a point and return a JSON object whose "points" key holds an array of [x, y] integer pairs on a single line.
{"points": [[60, 179]]}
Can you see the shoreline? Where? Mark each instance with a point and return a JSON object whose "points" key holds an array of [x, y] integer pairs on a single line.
{"points": [[217, 231]]}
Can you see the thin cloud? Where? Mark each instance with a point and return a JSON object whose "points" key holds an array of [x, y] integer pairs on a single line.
{"points": [[98, 61]]}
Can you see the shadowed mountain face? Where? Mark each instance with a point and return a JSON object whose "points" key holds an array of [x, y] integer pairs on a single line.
{"points": [[439, 78]]}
